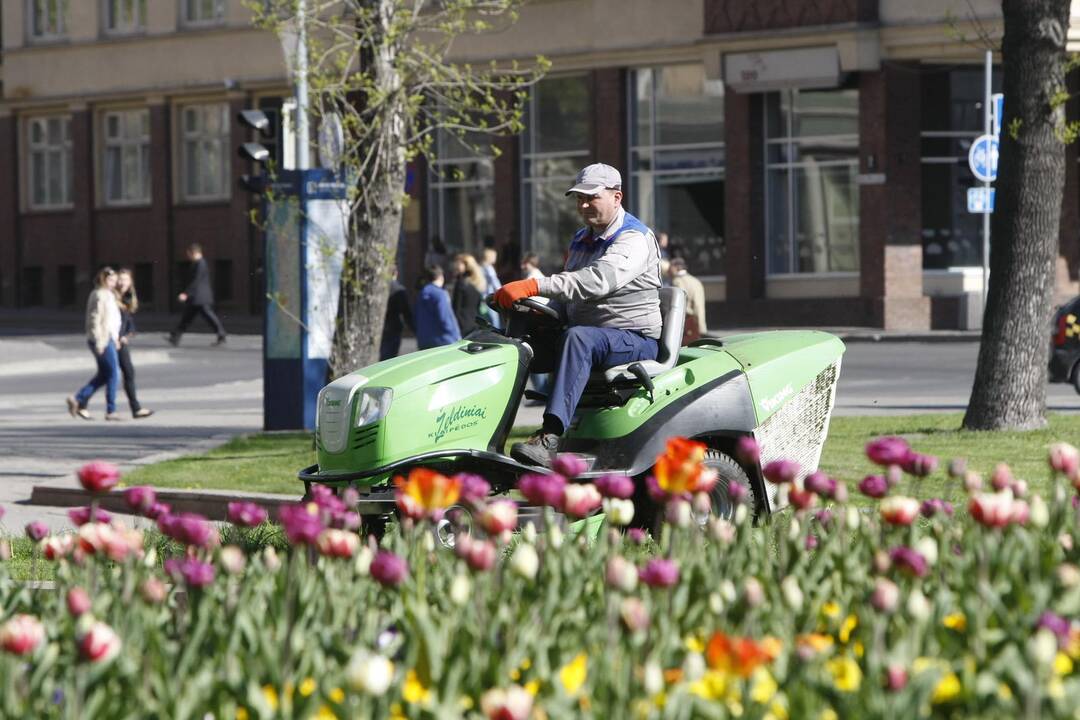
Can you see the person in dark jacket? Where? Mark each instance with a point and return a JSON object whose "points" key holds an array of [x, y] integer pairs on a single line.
{"points": [[129, 305], [198, 297], [468, 293], [398, 317], [435, 322]]}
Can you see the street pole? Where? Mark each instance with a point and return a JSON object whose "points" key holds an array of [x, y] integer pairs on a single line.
{"points": [[986, 185], [303, 159]]}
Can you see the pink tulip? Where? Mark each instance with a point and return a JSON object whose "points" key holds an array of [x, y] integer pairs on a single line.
{"points": [[660, 573], [886, 595], [887, 451], [811, 542], [874, 486], [478, 554], [153, 591], [544, 490], [753, 592], [957, 468], [190, 529], [140, 498], [338, 543], [899, 510], [580, 500], [194, 572], [78, 602], [569, 465], [246, 514], [1021, 512], [634, 614], [474, 489], [81, 516], [780, 472], [99, 643], [820, 484], [621, 574], [909, 561], [303, 523], [499, 517], [993, 510], [512, 703], [56, 547], [232, 559], [747, 450], [896, 678], [1, 512], [920, 465], [1064, 459], [737, 493], [36, 530], [389, 569], [637, 536], [615, 486], [99, 476], [1001, 477], [972, 482], [21, 635]]}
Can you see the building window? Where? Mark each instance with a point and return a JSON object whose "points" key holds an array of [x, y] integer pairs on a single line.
{"points": [[461, 193], [65, 285], [223, 281], [50, 162], [951, 236], [677, 161], [812, 199], [127, 157], [144, 283], [555, 145], [203, 12], [125, 16], [47, 19], [204, 155], [33, 287]]}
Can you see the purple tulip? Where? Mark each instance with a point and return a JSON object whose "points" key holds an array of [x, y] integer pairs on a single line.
{"points": [[140, 498], [811, 542], [302, 523], [81, 516], [1055, 624], [345, 521], [888, 451], [158, 510], [543, 489], [569, 465], [246, 514], [820, 484], [36, 530], [919, 465], [737, 493], [910, 561], [474, 489], [933, 506], [824, 517], [636, 536], [389, 569], [195, 573], [660, 573], [328, 503], [188, 528], [747, 450], [779, 472], [656, 493], [615, 486], [875, 486]]}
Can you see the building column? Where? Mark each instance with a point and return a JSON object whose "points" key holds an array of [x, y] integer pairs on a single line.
{"points": [[82, 212], [161, 200], [890, 204], [744, 192], [9, 210], [508, 191], [609, 132]]}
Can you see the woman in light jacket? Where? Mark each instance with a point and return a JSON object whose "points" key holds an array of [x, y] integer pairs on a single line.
{"points": [[103, 337]]}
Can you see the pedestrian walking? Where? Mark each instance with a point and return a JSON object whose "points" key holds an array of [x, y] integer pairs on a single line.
{"points": [[695, 325], [128, 300], [434, 318], [468, 293], [103, 336], [198, 298], [487, 265], [398, 317]]}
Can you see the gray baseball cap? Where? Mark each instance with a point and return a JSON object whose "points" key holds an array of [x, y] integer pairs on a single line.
{"points": [[594, 178]]}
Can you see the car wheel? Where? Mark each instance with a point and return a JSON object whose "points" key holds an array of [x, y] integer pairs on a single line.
{"points": [[728, 471]]}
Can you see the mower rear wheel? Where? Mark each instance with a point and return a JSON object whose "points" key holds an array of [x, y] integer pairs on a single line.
{"points": [[728, 471]]}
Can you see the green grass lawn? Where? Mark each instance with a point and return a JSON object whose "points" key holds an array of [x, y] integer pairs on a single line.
{"points": [[268, 462]]}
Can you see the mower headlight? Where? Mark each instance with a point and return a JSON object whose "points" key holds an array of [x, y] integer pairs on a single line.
{"points": [[372, 404]]}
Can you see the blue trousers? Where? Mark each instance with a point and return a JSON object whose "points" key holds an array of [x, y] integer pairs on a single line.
{"points": [[108, 374], [581, 349]]}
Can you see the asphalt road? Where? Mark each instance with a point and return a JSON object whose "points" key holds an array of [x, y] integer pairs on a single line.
{"points": [[203, 395]]}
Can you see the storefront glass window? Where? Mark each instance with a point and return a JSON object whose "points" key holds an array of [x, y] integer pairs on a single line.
{"points": [[677, 161], [555, 145], [952, 117], [461, 192], [812, 200]]}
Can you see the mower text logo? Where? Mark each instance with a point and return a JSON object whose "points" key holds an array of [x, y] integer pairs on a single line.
{"points": [[332, 403], [771, 403], [458, 418]]}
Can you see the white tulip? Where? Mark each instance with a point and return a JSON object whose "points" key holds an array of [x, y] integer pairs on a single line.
{"points": [[794, 529], [654, 678], [1040, 514], [369, 673], [793, 594], [727, 591], [928, 548], [528, 533], [741, 513], [525, 562], [460, 590], [693, 666], [852, 518], [918, 607], [619, 512], [555, 538], [1042, 647], [362, 562]]}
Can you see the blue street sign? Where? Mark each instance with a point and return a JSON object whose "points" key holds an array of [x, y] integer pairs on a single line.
{"points": [[997, 108], [983, 158], [981, 199]]}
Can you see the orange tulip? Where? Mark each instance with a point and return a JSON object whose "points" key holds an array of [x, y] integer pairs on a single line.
{"points": [[681, 468], [739, 655], [426, 493]]}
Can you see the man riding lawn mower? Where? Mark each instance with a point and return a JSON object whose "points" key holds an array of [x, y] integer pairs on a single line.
{"points": [[623, 385]]}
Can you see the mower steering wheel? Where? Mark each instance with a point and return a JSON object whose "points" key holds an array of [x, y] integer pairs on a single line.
{"points": [[531, 303]]}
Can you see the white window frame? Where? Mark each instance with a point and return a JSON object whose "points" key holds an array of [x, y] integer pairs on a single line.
{"points": [[443, 178], [204, 140], [59, 8], [44, 147], [122, 144], [191, 13], [113, 10]]}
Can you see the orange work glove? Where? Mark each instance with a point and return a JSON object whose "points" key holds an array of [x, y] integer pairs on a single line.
{"points": [[511, 292]]}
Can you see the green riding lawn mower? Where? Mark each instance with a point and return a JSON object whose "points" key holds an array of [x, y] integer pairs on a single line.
{"points": [[452, 408]]}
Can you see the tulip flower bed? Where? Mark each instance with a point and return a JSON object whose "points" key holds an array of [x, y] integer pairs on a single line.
{"points": [[914, 609]]}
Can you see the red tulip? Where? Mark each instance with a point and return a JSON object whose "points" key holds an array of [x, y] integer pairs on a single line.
{"points": [[899, 510], [801, 499], [99, 476], [99, 643], [512, 703], [499, 516], [992, 510], [21, 635], [338, 543]]}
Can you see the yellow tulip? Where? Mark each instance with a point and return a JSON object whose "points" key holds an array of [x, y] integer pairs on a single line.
{"points": [[846, 673], [573, 674]]}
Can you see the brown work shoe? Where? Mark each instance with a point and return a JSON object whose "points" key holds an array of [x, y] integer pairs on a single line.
{"points": [[539, 449]]}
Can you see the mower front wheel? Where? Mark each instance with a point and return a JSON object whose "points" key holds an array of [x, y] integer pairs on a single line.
{"points": [[728, 471]]}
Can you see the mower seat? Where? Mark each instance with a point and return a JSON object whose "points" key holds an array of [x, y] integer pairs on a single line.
{"points": [[673, 317]]}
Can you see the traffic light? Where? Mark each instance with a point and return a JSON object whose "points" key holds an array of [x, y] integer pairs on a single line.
{"points": [[254, 151]]}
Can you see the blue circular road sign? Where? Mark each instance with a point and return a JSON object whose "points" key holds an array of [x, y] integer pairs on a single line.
{"points": [[983, 158]]}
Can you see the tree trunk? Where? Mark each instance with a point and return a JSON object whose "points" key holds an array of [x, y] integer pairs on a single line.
{"points": [[1009, 391]]}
